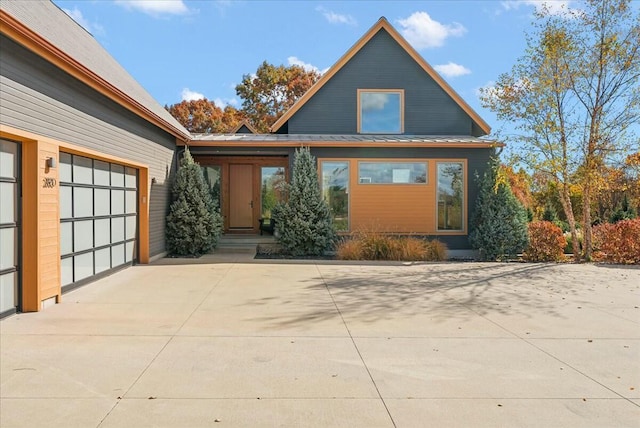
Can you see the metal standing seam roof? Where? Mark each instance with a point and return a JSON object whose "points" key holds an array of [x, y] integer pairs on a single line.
{"points": [[53, 24], [288, 138]]}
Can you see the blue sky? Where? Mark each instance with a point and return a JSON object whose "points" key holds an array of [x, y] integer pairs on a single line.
{"points": [[186, 49]]}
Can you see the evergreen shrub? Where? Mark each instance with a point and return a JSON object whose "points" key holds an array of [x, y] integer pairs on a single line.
{"points": [[304, 221], [194, 223], [499, 223]]}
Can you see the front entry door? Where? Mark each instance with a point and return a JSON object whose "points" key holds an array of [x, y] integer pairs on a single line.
{"points": [[241, 196]]}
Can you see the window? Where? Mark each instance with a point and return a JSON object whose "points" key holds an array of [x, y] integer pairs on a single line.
{"points": [[271, 189], [335, 190], [380, 111], [450, 196], [212, 176], [392, 172]]}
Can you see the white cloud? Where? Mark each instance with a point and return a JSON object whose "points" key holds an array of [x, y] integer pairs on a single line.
{"points": [[293, 60], [156, 7], [452, 69], [554, 7], [76, 15], [189, 95], [224, 102], [336, 18], [374, 101], [423, 32]]}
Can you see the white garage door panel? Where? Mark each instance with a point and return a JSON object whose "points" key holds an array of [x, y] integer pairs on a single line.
{"points": [[9, 226], [98, 215]]}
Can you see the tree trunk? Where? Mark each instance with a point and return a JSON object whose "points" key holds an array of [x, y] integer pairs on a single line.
{"points": [[586, 227], [565, 200]]}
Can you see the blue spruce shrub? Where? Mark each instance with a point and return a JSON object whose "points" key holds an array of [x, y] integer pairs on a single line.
{"points": [[194, 223], [304, 221], [499, 223]]}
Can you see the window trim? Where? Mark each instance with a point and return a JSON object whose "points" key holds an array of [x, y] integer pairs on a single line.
{"points": [[359, 110], [320, 162], [465, 190], [424, 162]]}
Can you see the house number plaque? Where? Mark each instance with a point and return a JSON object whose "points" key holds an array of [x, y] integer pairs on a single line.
{"points": [[48, 183]]}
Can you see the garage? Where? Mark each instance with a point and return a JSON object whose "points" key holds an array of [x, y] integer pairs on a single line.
{"points": [[9, 227], [98, 218]]}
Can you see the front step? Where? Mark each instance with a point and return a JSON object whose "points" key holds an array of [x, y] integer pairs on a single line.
{"points": [[242, 244]]}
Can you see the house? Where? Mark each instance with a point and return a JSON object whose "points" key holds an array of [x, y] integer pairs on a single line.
{"points": [[397, 148], [85, 156]]}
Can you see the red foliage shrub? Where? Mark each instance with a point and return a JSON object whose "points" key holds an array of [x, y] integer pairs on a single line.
{"points": [[546, 242], [618, 243]]}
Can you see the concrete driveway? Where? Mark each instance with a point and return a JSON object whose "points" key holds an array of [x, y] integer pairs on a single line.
{"points": [[241, 343]]}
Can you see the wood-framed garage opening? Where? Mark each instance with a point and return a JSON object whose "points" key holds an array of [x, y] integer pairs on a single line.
{"points": [[245, 187]]}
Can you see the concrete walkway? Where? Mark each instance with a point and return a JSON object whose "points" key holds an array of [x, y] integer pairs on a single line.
{"points": [[228, 341]]}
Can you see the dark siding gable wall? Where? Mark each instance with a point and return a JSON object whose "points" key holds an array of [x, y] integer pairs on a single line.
{"points": [[40, 98], [381, 64]]}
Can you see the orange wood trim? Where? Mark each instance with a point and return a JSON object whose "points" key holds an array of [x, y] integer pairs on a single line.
{"points": [[381, 24], [259, 144], [144, 190], [22, 34], [246, 123], [30, 248], [359, 111], [352, 177], [465, 200]]}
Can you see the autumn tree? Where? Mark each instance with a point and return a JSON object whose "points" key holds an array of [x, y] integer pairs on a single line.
{"points": [[520, 183], [203, 116], [574, 97], [271, 91]]}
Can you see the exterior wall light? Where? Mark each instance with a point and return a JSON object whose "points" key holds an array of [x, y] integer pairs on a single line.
{"points": [[51, 163]]}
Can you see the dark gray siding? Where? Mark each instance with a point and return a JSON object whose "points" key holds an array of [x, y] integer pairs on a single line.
{"points": [[381, 64], [38, 97]]}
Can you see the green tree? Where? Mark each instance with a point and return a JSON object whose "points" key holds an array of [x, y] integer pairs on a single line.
{"points": [[574, 95], [194, 222], [499, 223], [271, 91], [624, 212], [304, 221]]}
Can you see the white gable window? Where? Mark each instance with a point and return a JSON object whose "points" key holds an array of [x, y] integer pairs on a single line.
{"points": [[380, 111]]}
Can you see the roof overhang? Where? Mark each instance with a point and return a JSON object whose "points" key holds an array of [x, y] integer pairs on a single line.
{"points": [[321, 140], [23, 35]]}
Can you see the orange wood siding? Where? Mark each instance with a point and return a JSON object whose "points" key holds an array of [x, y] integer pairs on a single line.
{"points": [[40, 226], [397, 208]]}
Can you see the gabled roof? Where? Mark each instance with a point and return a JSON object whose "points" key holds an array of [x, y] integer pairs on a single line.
{"points": [[382, 24], [244, 127], [46, 30]]}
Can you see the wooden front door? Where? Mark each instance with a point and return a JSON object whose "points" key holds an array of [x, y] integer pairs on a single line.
{"points": [[241, 196]]}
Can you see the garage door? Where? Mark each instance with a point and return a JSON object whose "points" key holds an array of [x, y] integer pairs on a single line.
{"points": [[9, 227], [98, 217]]}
